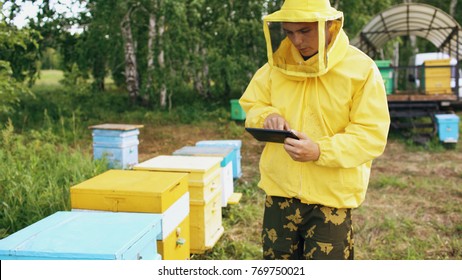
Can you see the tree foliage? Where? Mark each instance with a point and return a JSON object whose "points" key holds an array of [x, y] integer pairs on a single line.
{"points": [[20, 47], [180, 50], [18, 64]]}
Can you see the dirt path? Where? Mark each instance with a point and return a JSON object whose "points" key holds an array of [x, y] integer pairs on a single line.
{"points": [[165, 139]]}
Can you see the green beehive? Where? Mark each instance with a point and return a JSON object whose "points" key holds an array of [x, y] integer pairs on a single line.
{"points": [[237, 113], [387, 74]]}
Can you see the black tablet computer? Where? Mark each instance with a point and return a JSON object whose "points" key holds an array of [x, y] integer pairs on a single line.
{"points": [[270, 135]]}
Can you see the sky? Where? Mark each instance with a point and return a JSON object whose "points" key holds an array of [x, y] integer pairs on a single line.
{"points": [[29, 10]]}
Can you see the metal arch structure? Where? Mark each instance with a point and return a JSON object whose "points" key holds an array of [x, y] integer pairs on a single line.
{"points": [[411, 112], [421, 20]]}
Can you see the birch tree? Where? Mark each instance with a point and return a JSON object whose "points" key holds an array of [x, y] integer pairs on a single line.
{"points": [[131, 66], [452, 8]]}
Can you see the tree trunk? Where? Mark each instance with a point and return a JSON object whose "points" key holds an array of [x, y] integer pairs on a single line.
{"points": [[335, 5], [131, 72], [150, 67], [452, 7], [201, 80], [161, 61], [198, 85], [205, 71]]}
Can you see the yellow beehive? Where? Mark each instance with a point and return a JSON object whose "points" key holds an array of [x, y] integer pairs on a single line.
{"points": [[207, 226], [226, 153], [200, 169], [164, 193], [130, 191], [205, 194], [200, 192], [174, 246], [436, 76]]}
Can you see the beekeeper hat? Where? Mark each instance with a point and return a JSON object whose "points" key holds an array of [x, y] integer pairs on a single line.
{"points": [[282, 55]]}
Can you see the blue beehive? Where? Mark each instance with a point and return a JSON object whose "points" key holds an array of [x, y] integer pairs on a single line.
{"points": [[119, 156], [115, 136], [235, 144], [86, 236], [226, 153], [118, 143], [448, 127]]}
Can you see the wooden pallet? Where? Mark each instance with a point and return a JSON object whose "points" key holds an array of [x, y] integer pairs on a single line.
{"points": [[421, 97]]}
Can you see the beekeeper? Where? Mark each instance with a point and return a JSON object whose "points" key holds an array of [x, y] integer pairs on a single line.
{"points": [[333, 97]]}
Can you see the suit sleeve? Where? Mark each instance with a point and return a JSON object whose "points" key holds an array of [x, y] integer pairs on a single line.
{"points": [[256, 100]]}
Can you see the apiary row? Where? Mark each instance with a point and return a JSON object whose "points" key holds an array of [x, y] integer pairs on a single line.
{"points": [[167, 207]]}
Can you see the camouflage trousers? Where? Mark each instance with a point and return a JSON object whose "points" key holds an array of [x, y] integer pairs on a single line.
{"points": [[294, 230]]}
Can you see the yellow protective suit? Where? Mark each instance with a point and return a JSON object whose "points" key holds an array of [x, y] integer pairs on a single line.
{"points": [[337, 98]]}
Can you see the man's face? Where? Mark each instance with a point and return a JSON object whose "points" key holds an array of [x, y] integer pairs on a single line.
{"points": [[304, 36]]}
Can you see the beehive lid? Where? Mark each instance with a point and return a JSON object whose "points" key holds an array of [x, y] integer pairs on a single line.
{"points": [[114, 126], [447, 118], [437, 62], [236, 144], [207, 151], [130, 191], [180, 163], [83, 235], [198, 167]]}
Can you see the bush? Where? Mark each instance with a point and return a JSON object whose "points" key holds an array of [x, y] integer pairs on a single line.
{"points": [[10, 89]]}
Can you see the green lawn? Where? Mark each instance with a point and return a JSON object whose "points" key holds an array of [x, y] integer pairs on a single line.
{"points": [[49, 77]]}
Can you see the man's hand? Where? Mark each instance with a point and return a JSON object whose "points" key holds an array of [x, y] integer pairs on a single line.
{"points": [[302, 150], [276, 121]]}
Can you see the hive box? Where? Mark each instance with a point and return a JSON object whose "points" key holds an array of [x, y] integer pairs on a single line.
{"points": [[176, 245], [206, 224], [387, 74], [204, 172], [86, 236], [237, 113], [205, 195], [165, 193], [226, 167], [118, 143], [235, 144], [436, 76], [115, 136], [448, 127], [119, 156]]}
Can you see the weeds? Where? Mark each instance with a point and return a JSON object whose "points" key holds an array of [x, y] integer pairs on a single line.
{"points": [[388, 181], [37, 173]]}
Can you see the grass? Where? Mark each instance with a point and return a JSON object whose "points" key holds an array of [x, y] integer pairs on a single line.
{"points": [[413, 209], [37, 172], [50, 78]]}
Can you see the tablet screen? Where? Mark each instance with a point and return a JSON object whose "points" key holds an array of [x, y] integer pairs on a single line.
{"points": [[270, 135]]}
